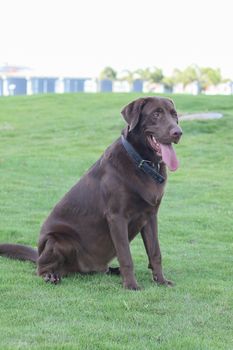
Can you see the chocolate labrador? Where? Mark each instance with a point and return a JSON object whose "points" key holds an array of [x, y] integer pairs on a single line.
{"points": [[118, 197]]}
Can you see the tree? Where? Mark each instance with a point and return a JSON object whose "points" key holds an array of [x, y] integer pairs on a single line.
{"points": [[187, 76], [168, 83], [108, 73], [129, 76], [190, 75], [210, 76], [176, 76], [204, 76], [151, 74], [156, 75]]}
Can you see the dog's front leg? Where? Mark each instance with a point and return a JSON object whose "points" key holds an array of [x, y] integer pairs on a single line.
{"points": [[150, 238], [118, 227]]}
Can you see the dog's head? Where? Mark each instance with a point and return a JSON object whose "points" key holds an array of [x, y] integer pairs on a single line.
{"points": [[156, 120]]}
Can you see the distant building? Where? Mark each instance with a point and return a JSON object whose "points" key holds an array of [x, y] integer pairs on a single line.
{"points": [[153, 87], [137, 85], [106, 85], [220, 89], [91, 85], [14, 81], [16, 85], [9, 70], [42, 85], [121, 86], [1, 86], [178, 88], [17, 80], [74, 84], [192, 88]]}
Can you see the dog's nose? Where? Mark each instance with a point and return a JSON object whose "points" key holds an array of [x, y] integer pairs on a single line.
{"points": [[176, 133]]}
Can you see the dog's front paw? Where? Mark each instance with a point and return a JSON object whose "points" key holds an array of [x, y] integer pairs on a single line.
{"points": [[131, 285], [163, 281]]}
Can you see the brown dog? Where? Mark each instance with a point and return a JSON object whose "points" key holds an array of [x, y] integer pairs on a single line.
{"points": [[117, 198]]}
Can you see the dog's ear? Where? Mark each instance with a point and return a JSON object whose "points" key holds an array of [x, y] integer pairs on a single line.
{"points": [[169, 99], [132, 111]]}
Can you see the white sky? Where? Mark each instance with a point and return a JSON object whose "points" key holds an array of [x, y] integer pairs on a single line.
{"points": [[81, 37]]}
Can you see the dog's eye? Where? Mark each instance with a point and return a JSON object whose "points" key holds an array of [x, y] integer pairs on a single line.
{"points": [[157, 112], [175, 116], [174, 113], [155, 115]]}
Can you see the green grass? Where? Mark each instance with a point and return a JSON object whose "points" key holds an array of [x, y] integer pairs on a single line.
{"points": [[46, 144]]}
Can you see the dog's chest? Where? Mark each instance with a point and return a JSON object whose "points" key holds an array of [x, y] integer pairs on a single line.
{"points": [[139, 213], [150, 195], [136, 224]]}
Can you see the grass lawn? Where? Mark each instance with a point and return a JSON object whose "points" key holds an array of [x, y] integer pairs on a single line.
{"points": [[46, 143]]}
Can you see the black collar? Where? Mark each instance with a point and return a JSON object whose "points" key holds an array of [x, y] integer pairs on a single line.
{"points": [[145, 165]]}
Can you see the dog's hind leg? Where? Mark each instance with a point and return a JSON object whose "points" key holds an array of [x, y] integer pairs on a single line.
{"points": [[56, 257]]}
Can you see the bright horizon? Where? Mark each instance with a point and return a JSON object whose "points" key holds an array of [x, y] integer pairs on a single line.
{"points": [[82, 37]]}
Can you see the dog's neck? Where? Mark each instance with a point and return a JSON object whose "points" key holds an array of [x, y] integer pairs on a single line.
{"points": [[137, 140]]}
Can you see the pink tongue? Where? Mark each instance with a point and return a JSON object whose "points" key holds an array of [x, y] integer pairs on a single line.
{"points": [[169, 157]]}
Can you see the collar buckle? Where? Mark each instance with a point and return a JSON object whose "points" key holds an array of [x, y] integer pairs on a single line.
{"points": [[146, 166], [140, 165]]}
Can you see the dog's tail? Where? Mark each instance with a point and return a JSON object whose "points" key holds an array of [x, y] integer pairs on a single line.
{"points": [[19, 251]]}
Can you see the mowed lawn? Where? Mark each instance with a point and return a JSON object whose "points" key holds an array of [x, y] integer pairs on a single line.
{"points": [[46, 144]]}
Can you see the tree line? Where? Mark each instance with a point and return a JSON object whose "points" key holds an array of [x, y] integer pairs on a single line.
{"points": [[204, 76]]}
